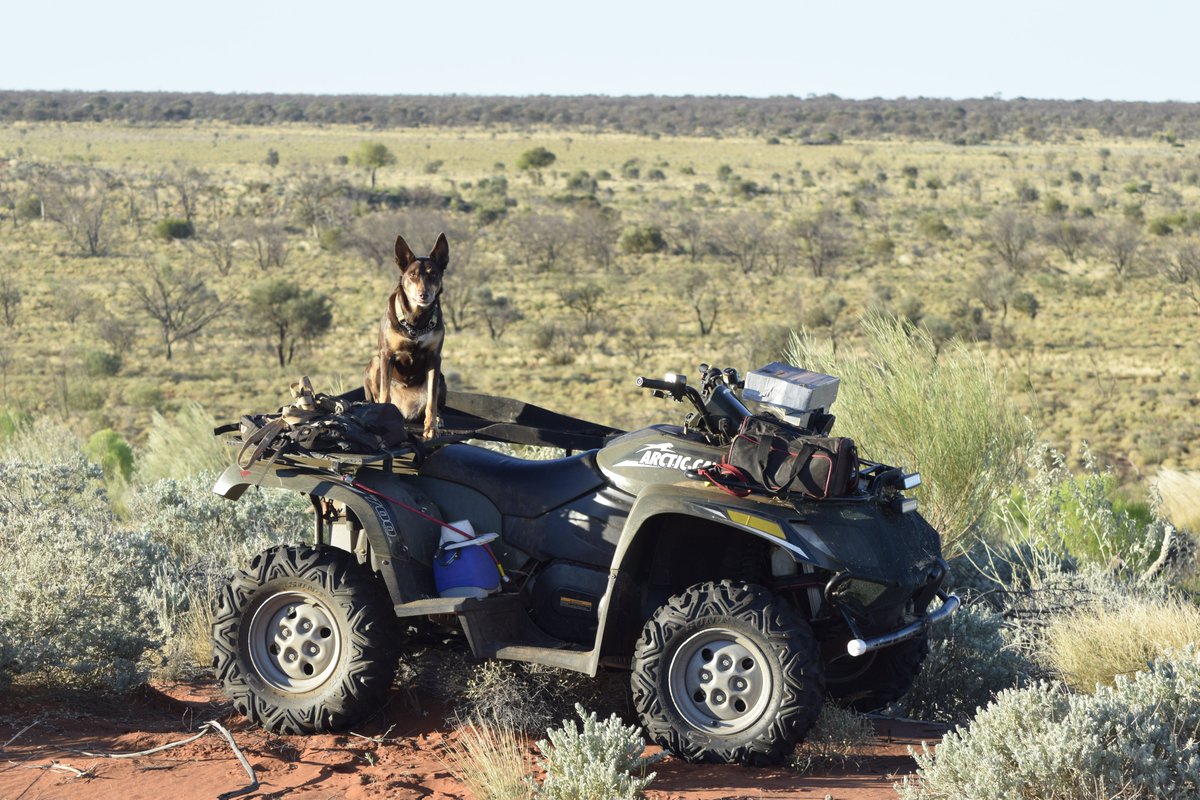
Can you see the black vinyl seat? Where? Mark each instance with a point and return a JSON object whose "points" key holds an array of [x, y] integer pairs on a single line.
{"points": [[517, 486]]}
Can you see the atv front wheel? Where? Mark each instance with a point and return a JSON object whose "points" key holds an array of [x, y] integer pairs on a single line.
{"points": [[876, 679], [304, 640], [727, 672]]}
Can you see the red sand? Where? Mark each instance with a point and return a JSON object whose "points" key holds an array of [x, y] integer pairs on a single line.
{"points": [[399, 760]]}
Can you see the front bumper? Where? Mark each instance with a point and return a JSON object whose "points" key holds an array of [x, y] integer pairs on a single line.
{"points": [[860, 646]]}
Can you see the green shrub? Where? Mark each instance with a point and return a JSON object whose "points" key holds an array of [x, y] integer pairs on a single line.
{"points": [[29, 208], [1075, 516], [946, 414], [101, 363], [969, 663], [332, 240], [13, 421], [536, 158], [1137, 739], [598, 760], [643, 239], [171, 229], [112, 453], [931, 226]]}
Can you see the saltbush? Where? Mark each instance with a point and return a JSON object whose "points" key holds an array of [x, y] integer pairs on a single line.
{"points": [[599, 759], [1137, 739], [75, 586], [969, 662]]}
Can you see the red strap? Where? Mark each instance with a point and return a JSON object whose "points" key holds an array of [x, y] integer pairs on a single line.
{"points": [[720, 474]]}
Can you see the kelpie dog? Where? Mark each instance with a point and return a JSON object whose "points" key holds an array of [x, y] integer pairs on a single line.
{"points": [[407, 370]]}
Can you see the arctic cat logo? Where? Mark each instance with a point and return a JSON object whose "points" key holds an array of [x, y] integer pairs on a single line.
{"points": [[664, 456]]}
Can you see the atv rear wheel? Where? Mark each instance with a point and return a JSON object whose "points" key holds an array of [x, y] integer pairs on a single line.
{"points": [[727, 672], [876, 679], [304, 640]]}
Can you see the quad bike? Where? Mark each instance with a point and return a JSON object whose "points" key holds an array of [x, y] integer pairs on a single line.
{"points": [[735, 615]]}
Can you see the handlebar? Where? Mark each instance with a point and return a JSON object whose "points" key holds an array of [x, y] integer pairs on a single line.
{"points": [[659, 386], [719, 410]]}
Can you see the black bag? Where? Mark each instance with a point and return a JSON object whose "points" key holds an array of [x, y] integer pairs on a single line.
{"points": [[321, 423], [782, 458]]}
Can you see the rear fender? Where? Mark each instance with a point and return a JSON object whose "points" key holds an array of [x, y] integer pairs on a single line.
{"points": [[395, 536]]}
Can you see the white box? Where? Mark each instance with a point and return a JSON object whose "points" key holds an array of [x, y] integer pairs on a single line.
{"points": [[791, 388]]}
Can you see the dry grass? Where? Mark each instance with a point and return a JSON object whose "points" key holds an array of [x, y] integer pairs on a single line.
{"points": [[490, 760], [1093, 647], [1180, 496]]}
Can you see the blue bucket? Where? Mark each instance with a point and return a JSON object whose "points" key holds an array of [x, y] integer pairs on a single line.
{"points": [[463, 567]]}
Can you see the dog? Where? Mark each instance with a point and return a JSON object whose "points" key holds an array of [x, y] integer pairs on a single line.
{"points": [[407, 369]]}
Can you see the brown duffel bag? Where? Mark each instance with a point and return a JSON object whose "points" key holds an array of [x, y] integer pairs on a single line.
{"points": [[782, 459]]}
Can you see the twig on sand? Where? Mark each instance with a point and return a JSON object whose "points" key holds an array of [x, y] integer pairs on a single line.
{"points": [[152, 750], [17, 735], [211, 725], [376, 739], [245, 764], [78, 773]]}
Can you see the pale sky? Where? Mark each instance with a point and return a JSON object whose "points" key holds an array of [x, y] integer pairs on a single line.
{"points": [[1132, 50]]}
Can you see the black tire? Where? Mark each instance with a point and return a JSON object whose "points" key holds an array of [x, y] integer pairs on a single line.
{"points": [[727, 672], [877, 679], [304, 640]]}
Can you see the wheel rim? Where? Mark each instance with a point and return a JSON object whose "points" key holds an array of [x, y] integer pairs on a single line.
{"points": [[294, 642], [720, 681]]}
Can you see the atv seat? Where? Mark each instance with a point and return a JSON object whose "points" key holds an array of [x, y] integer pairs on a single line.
{"points": [[519, 487]]}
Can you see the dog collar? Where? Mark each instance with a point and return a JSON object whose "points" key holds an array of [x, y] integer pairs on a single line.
{"points": [[415, 332]]}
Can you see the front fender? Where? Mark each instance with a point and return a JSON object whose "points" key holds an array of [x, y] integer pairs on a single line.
{"points": [[772, 522], [395, 535]]}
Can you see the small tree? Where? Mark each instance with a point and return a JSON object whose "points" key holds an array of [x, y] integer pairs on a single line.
{"points": [[498, 312], [534, 161], [820, 241], [10, 299], [288, 315], [1182, 268], [696, 289], [588, 300], [1120, 244], [1008, 234], [371, 156], [179, 300]]}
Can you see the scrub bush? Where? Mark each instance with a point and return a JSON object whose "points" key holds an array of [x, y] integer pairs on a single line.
{"points": [[1139, 738], [969, 662], [597, 760]]}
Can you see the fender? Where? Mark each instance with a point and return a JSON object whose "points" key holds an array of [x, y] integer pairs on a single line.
{"points": [[774, 523], [394, 534]]}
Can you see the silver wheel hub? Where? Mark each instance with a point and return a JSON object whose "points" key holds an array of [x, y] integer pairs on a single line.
{"points": [[720, 681], [293, 641]]}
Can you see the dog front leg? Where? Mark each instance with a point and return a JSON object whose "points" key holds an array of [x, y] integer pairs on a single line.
{"points": [[385, 377], [431, 402]]}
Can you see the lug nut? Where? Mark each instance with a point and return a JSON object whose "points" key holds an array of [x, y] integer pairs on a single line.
{"points": [[705, 676], [724, 662], [739, 684], [718, 697]]}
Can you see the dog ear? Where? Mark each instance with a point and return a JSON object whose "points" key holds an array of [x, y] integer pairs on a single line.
{"points": [[404, 255], [440, 254]]}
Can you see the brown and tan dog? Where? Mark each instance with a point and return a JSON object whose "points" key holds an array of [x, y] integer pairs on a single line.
{"points": [[407, 370]]}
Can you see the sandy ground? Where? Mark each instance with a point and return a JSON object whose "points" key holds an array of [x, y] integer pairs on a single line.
{"points": [[48, 741]]}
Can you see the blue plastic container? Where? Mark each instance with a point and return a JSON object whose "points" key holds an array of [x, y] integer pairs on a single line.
{"points": [[463, 567]]}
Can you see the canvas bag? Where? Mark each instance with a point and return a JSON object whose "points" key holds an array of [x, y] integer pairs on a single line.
{"points": [[782, 458]]}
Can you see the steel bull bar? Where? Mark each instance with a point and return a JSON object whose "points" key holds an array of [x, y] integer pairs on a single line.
{"points": [[861, 645]]}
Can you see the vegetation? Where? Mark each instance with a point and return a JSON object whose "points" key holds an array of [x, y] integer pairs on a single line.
{"points": [[1136, 739]]}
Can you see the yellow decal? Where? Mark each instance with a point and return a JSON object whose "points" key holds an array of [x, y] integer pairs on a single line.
{"points": [[767, 526]]}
